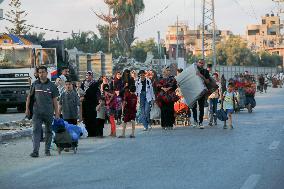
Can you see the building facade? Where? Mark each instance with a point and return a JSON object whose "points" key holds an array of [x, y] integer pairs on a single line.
{"points": [[189, 40], [266, 35]]}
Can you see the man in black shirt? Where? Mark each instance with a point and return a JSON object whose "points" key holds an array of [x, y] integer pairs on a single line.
{"points": [[205, 76]]}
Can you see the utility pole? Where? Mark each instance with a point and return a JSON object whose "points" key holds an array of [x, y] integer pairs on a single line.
{"points": [[177, 41], [208, 29]]}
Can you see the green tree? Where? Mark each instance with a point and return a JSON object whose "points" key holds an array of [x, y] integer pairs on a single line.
{"points": [[140, 48], [269, 60], [191, 58], [127, 11], [116, 48], [87, 42], [17, 17], [38, 36], [234, 52]]}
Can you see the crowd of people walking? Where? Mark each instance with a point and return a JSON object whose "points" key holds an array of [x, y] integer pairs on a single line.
{"points": [[135, 97]]}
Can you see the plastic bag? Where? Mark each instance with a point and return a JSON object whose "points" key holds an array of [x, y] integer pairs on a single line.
{"points": [[155, 112], [84, 130]]}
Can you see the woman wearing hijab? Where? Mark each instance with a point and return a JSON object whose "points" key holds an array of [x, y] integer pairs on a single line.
{"points": [[166, 98], [89, 104]]}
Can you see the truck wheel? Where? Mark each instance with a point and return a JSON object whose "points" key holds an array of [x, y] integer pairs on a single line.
{"points": [[3, 109], [21, 108]]}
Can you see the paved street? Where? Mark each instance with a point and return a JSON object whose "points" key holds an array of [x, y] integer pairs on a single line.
{"points": [[248, 157]]}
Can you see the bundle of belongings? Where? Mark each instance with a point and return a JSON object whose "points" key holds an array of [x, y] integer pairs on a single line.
{"points": [[193, 87], [66, 135]]}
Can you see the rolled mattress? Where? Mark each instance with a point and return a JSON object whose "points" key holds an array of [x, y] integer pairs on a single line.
{"points": [[191, 85]]}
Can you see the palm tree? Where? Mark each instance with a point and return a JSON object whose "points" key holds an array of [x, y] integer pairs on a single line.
{"points": [[127, 11]]}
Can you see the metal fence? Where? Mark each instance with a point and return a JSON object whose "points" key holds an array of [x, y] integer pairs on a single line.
{"points": [[231, 71]]}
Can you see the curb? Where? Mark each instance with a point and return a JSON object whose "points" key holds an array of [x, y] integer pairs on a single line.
{"points": [[16, 134], [22, 129]]}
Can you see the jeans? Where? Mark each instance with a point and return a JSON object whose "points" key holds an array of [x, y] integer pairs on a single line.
{"points": [[144, 110], [213, 103]]}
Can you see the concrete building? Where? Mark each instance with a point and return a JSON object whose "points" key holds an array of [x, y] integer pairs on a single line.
{"points": [[188, 39], [99, 63], [265, 35], [171, 40]]}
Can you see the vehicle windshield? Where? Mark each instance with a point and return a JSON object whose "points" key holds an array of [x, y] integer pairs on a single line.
{"points": [[15, 58], [45, 57]]}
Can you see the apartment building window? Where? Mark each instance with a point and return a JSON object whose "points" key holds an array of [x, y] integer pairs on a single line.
{"points": [[272, 22], [263, 21], [253, 32]]}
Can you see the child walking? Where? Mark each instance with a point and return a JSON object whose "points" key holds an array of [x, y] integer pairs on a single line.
{"points": [[109, 98], [229, 104], [69, 103], [101, 111], [129, 111], [117, 106]]}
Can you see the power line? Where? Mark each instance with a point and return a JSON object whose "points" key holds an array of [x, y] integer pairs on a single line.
{"points": [[125, 29], [40, 28], [241, 7], [253, 9]]}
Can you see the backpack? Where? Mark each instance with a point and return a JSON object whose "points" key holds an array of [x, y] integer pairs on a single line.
{"points": [[234, 101]]}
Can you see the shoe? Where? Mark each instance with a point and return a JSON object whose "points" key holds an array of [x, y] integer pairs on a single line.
{"points": [[215, 123], [231, 126], [145, 129], [34, 154], [225, 127], [121, 136], [112, 135], [131, 136], [194, 124], [48, 153], [201, 126], [210, 124], [150, 127]]}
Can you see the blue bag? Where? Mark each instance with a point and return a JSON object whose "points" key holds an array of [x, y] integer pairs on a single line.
{"points": [[222, 115], [74, 131]]}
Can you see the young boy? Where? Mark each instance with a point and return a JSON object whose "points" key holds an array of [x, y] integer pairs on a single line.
{"points": [[229, 104], [129, 111], [69, 103], [101, 110]]}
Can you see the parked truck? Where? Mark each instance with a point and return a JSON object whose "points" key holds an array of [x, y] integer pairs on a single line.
{"points": [[17, 64]]}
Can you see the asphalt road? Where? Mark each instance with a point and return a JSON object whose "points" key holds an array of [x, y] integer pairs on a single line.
{"points": [[247, 157]]}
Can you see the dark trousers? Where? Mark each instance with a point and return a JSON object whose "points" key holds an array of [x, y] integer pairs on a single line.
{"points": [[167, 114], [38, 120], [71, 121], [100, 127], [200, 102]]}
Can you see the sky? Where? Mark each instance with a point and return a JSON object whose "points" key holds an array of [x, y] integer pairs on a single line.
{"points": [[77, 15]]}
